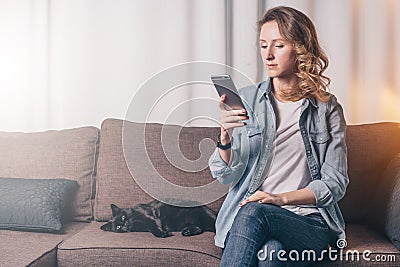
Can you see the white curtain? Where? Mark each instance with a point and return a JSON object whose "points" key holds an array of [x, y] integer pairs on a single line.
{"points": [[24, 65], [71, 63]]}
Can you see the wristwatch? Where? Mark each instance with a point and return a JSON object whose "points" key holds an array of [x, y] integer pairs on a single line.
{"points": [[220, 145]]}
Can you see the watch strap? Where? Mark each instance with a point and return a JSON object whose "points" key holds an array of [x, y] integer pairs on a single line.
{"points": [[221, 146]]}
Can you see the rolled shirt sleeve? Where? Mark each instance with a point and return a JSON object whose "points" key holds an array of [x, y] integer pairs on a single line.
{"points": [[334, 179], [233, 171]]}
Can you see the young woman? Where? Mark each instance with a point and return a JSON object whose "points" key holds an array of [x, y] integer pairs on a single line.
{"points": [[284, 156]]}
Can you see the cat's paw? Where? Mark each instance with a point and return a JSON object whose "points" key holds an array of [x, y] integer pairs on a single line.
{"points": [[163, 234], [191, 230]]}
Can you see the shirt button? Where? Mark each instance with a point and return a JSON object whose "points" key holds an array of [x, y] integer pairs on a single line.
{"points": [[320, 139], [248, 132]]}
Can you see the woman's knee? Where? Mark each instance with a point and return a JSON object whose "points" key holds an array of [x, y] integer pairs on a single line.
{"points": [[254, 216], [251, 209], [259, 210], [248, 219]]}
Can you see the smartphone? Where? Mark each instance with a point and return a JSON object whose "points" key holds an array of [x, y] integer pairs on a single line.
{"points": [[224, 85]]}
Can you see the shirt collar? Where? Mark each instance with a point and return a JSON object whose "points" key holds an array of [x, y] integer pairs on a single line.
{"points": [[265, 88]]}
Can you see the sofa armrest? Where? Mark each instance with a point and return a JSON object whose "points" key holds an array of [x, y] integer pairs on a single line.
{"points": [[385, 212]]}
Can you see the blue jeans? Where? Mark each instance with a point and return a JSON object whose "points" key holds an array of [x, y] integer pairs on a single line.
{"points": [[266, 235]]}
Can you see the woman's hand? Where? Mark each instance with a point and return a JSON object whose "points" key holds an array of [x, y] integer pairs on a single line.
{"points": [[230, 119], [302, 196], [264, 197]]}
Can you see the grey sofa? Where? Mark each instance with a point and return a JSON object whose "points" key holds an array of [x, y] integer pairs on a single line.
{"points": [[95, 159]]}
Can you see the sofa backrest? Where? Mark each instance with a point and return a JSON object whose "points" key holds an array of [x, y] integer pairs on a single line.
{"points": [[69, 154], [178, 155], [371, 147]]}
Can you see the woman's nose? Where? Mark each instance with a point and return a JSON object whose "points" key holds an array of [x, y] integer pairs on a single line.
{"points": [[270, 54]]}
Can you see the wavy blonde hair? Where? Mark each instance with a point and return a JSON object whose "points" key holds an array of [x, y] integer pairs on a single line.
{"points": [[311, 60]]}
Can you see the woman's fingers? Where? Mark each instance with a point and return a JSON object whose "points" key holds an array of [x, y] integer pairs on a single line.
{"points": [[221, 103], [264, 198], [222, 106], [227, 125], [257, 196], [234, 112], [230, 119], [233, 118]]}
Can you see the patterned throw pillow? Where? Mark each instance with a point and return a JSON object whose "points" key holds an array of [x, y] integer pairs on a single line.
{"points": [[35, 204]]}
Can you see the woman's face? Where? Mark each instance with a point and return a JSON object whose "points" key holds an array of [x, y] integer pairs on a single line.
{"points": [[277, 54]]}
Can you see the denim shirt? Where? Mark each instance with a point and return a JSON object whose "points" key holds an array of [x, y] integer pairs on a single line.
{"points": [[323, 128]]}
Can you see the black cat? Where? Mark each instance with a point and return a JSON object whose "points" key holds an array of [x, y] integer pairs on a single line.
{"points": [[161, 219]]}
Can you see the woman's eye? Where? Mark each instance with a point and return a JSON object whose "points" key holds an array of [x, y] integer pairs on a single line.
{"points": [[279, 46]]}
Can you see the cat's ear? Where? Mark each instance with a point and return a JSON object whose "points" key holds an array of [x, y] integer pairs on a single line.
{"points": [[115, 210], [106, 227]]}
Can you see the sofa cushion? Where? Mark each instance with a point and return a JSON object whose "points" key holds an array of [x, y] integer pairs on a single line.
{"points": [[94, 247], [32, 248], [370, 149], [49, 259], [35, 204], [363, 239], [115, 184], [69, 154]]}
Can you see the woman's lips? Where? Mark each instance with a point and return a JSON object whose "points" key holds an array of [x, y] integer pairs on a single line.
{"points": [[271, 66]]}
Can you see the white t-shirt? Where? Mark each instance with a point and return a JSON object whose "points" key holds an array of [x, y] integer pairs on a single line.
{"points": [[289, 170]]}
